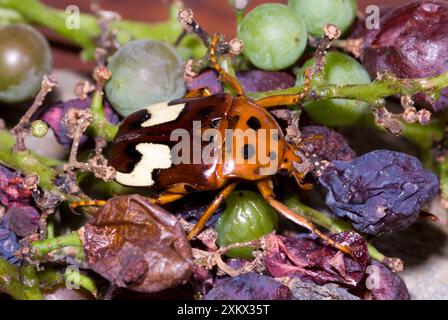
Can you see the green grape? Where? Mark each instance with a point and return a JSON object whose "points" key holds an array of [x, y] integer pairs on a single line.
{"points": [[25, 57], [247, 217], [39, 129], [316, 13], [144, 72], [274, 36], [339, 69]]}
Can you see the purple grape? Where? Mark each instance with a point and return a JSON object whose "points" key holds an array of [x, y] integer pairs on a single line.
{"points": [[23, 220], [411, 43], [249, 286], [206, 79], [326, 144], [12, 190], [8, 243], [252, 81], [201, 279], [257, 80], [54, 117], [379, 191], [309, 260]]}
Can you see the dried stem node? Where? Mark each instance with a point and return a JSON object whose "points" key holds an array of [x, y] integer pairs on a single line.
{"points": [[22, 128]]}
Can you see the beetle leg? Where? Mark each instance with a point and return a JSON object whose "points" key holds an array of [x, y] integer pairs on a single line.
{"points": [[286, 99], [161, 199], [212, 209], [87, 203], [266, 190], [166, 197], [201, 92], [225, 76]]}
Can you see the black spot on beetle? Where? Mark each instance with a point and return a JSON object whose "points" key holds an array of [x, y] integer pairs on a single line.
{"points": [[248, 151], [254, 123], [273, 155], [133, 157], [275, 136], [240, 194]]}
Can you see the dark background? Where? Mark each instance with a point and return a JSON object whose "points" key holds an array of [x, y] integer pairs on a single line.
{"points": [[213, 15]]}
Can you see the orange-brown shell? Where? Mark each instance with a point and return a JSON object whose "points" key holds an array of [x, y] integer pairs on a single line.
{"points": [[222, 112]]}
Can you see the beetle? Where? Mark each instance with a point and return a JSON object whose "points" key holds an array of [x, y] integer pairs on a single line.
{"points": [[142, 149]]}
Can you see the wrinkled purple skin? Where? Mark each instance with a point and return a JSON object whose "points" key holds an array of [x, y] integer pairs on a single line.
{"points": [[206, 79], [54, 117], [327, 144], [257, 80], [12, 191], [23, 221], [249, 286], [386, 285], [252, 81], [309, 260], [380, 191], [411, 43], [201, 280], [8, 243]]}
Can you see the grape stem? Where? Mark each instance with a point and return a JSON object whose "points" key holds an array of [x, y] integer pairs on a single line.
{"points": [[49, 179], [335, 225], [186, 18], [19, 282], [100, 126], [331, 33], [51, 277], [87, 31], [41, 248], [19, 131], [371, 93]]}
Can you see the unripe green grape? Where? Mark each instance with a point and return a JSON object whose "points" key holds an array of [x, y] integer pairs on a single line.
{"points": [[339, 69], [25, 57], [274, 36], [316, 13], [144, 72], [39, 129], [247, 217]]}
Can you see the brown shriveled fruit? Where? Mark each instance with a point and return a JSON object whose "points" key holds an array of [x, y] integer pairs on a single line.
{"points": [[137, 245]]}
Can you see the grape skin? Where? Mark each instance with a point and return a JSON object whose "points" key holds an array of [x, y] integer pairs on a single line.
{"points": [[274, 36], [316, 13], [339, 69], [25, 57], [247, 217], [144, 72]]}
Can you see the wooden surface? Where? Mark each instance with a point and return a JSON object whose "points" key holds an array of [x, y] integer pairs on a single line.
{"points": [[213, 15]]}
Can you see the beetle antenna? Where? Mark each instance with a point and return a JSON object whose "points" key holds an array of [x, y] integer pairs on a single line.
{"points": [[225, 77], [299, 179]]}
